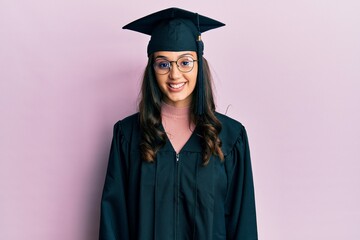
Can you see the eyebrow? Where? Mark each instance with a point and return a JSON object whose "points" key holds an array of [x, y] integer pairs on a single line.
{"points": [[182, 55]]}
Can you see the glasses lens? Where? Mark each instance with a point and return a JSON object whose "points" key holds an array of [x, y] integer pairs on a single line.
{"points": [[185, 64], [162, 66]]}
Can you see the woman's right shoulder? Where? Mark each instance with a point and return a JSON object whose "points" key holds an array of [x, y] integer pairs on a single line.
{"points": [[129, 120], [129, 126]]}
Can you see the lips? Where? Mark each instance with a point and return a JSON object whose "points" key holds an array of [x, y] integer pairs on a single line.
{"points": [[176, 86]]}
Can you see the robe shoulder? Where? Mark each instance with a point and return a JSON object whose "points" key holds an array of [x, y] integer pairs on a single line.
{"points": [[128, 128], [232, 131]]}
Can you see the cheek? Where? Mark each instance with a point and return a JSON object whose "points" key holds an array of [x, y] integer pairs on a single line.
{"points": [[195, 73], [193, 77], [160, 80]]}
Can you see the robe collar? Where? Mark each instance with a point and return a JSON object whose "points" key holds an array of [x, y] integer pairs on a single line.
{"points": [[192, 145]]}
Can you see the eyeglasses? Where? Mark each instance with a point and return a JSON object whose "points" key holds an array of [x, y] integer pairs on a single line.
{"points": [[184, 64]]}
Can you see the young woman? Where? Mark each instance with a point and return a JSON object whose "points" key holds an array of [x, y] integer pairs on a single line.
{"points": [[178, 169]]}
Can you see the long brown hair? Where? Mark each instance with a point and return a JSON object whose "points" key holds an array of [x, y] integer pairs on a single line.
{"points": [[153, 137]]}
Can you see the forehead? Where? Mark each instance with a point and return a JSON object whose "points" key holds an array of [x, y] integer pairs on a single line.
{"points": [[174, 55]]}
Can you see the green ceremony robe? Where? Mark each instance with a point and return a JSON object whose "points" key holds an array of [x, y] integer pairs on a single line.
{"points": [[176, 198]]}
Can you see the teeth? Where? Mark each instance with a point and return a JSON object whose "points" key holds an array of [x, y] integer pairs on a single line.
{"points": [[176, 86]]}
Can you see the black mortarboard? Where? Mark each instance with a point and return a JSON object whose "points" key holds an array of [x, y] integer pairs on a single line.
{"points": [[175, 29]]}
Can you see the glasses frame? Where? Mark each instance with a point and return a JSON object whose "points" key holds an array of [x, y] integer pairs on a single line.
{"points": [[177, 65]]}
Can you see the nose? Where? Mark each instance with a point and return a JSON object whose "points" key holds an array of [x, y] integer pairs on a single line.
{"points": [[174, 71]]}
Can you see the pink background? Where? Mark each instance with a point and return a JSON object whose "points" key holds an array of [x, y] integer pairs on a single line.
{"points": [[289, 70]]}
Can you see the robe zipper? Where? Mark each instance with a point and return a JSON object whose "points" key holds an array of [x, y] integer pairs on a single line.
{"points": [[177, 194]]}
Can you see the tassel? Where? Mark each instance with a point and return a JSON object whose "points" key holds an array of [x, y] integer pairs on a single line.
{"points": [[200, 108], [200, 78]]}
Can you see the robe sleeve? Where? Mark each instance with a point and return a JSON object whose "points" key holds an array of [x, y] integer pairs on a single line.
{"points": [[113, 219], [240, 200]]}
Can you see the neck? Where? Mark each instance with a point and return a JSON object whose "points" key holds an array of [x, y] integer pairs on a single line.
{"points": [[177, 124], [175, 112]]}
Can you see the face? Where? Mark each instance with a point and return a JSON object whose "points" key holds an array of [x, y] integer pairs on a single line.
{"points": [[177, 87]]}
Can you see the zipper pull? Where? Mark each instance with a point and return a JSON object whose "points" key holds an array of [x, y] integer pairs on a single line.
{"points": [[177, 157]]}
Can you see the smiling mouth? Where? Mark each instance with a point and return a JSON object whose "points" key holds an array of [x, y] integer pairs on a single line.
{"points": [[176, 86]]}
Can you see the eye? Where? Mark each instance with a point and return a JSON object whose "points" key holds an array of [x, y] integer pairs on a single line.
{"points": [[186, 62], [162, 64]]}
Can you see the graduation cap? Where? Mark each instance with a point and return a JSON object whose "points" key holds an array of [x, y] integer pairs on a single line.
{"points": [[175, 29]]}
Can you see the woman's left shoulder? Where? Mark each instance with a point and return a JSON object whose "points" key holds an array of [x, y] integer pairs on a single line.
{"points": [[229, 123], [232, 131]]}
